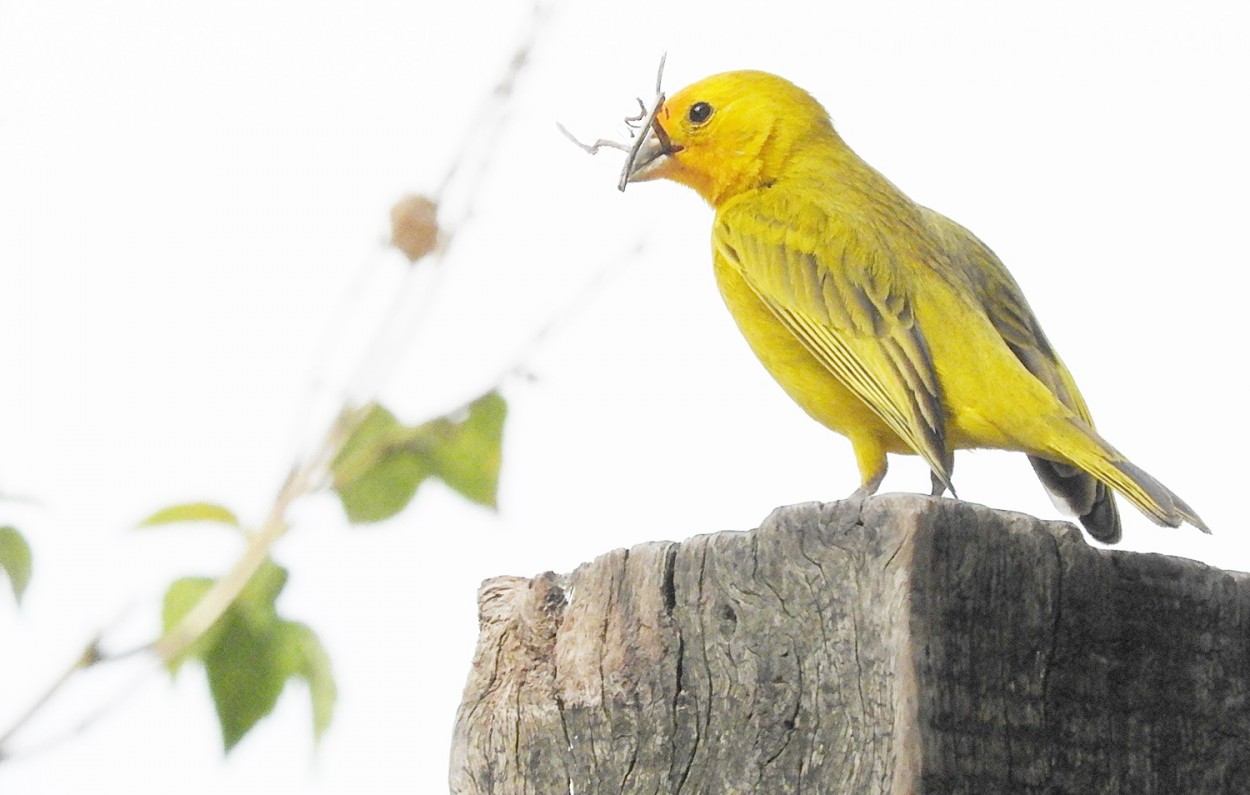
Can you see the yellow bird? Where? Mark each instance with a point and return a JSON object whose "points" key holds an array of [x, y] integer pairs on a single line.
{"points": [[885, 321]]}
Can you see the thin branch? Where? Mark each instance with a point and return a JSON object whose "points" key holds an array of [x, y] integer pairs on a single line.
{"points": [[635, 122], [320, 388], [567, 312], [304, 479], [89, 656], [498, 97], [112, 703], [400, 323], [593, 149], [399, 327], [659, 74]]}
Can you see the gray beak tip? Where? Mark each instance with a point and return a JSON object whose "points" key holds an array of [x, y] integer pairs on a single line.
{"points": [[644, 161]]}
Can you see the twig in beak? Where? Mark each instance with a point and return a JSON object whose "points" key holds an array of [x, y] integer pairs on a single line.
{"points": [[648, 126], [594, 148], [632, 122], [640, 127]]}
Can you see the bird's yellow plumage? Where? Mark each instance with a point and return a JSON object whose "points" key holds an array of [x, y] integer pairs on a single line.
{"points": [[885, 321]]}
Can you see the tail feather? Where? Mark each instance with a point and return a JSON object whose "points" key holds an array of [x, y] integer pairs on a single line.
{"points": [[1154, 499], [1080, 494], [1093, 455], [1102, 520]]}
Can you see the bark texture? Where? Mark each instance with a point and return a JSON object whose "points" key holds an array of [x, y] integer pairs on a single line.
{"points": [[903, 645]]}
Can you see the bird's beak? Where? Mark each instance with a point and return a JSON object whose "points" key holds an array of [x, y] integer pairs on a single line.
{"points": [[648, 161]]}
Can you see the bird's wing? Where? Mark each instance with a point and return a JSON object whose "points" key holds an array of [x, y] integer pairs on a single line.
{"points": [[845, 299], [1004, 303], [1008, 311]]}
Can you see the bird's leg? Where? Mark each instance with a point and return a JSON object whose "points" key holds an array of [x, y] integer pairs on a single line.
{"points": [[939, 488], [870, 456], [868, 487]]}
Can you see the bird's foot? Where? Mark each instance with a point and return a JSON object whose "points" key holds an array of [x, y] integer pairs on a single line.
{"points": [[866, 490]]}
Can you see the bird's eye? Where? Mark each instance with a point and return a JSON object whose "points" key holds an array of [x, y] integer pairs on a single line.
{"points": [[699, 112]]}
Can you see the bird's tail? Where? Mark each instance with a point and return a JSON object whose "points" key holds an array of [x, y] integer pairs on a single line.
{"points": [[1086, 450], [1080, 494]]}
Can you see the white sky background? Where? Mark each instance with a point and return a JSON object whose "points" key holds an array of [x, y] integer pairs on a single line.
{"points": [[191, 194]]}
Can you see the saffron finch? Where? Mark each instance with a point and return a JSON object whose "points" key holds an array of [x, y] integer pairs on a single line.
{"points": [[885, 321]]}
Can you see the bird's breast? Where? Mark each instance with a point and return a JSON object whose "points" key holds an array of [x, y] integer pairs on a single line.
{"points": [[801, 375]]}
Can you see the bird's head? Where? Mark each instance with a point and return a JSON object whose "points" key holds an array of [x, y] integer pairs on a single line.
{"points": [[729, 133]]}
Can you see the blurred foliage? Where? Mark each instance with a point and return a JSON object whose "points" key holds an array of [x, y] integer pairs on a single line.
{"points": [[374, 463], [191, 512], [379, 468], [15, 560], [251, 652], [231, 625]]}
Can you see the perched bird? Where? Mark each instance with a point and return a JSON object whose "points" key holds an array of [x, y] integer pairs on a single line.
{"points": [[885, 321]]}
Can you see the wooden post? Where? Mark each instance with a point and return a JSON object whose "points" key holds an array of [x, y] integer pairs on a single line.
{"points": [[908, 645]]}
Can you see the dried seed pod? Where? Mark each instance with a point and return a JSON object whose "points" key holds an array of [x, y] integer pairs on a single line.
{"points": [[414, 226]]}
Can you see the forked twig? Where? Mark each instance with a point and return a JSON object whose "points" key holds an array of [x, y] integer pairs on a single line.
{"points": [[639, 128], [593, 149], [634, 122]]}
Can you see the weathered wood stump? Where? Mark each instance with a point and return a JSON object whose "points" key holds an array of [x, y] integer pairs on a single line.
{"points": [[911, 645]]}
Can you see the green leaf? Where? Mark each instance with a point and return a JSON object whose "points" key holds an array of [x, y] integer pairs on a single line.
{"points": [[382, 464], [191, 512], [251, 652], [374, 431], [309, 661], [246, 673], [15, 560], [469, 457], [375, 475]]}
